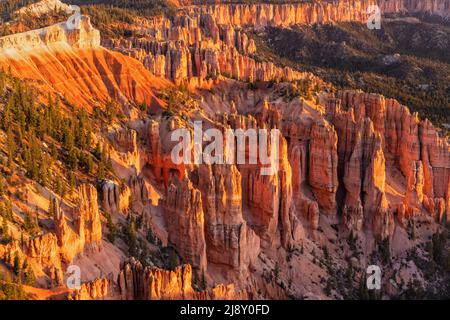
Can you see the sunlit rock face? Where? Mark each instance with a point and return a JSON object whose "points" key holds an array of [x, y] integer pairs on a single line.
{"points": [[435, 7], [43, 7], [99, 289], [378, 135], [80, 36], [39, 55], [146, 283], [285, 14], [85, 231], [185, 221]]}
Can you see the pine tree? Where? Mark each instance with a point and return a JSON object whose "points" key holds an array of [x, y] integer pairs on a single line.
{"points": [[72, 180], [58, 187], [98, 151], [16, 264], [54, 151], [4, 232], [101, 171], [30, 278], [7, 116], [363, 292], [11, 146], [31, 224], [111, 228], [203, 283], [173, 260], [2, 82], [328, 288], [51, 203]]}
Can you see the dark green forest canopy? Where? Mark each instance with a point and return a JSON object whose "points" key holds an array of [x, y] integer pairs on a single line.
{"points": [[405, 61]]}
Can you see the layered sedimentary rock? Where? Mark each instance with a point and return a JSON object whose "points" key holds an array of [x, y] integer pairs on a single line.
{"points": [[196, 49], [208, 41], [43, 7], [229, 241], [115, 198], [435, 7], [62, 34], [49, 253], [376, 134], [87, 216], [39, 55], [160, 147], [85, 232], [267, 196], [352, 156], [139, 191], [42, 251], [97, 289], [286, 14], [125, 141], [323, 165], [185, 221], [137, 282]]}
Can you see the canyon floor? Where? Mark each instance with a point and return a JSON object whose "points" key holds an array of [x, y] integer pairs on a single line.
{"points": [[94, 207]]}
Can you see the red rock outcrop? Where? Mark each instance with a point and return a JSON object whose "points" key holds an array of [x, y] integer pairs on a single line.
{"points": [[139, 191], [197, 48], [160, 147], [98, 289], [90, 74], [287, 14], [41, 253], [229, 241], [85, 232], [125, 141], [435, 7], [185, 221], [323, 163], [137, 282], [376, 134], [87, 216], [43, 7], [114, 198]]}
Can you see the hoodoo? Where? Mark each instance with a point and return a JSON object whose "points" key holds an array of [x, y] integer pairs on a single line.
{"points": [[105, 116]]}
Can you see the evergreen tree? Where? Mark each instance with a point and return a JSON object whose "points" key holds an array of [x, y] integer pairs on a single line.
{"points": [[363, 291], [31, 224], [50, 210], [11, 146], [16, 264], [30, 278], [174, 261], [111, 228]]}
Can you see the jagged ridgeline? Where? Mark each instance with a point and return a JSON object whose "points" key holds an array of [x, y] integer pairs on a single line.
{"points": [[21, 16], [145, 8], [9, 7]]}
